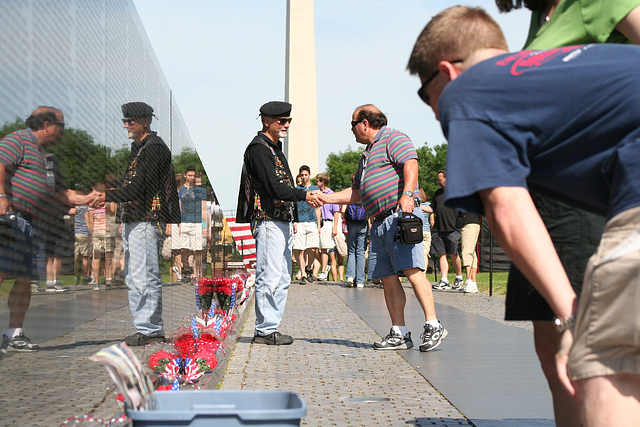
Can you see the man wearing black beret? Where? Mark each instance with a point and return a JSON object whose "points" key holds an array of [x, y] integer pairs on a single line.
{"points": [[267, 200], [149, 201]]}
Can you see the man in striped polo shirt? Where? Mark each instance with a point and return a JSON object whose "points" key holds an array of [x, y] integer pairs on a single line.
{"points": [[387, 184], [26, 180]]}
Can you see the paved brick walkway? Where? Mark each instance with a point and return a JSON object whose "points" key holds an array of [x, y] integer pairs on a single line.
{"points": [[331, 364], [333, 367]]}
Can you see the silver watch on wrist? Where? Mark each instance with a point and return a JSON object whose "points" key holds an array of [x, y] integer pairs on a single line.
{"points": [[2, 195], [408, 193], [564, 323]]}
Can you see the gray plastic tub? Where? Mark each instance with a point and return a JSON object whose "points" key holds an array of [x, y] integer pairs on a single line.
{"points": [[200, 408]]}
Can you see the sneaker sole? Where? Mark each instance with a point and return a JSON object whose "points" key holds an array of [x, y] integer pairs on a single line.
{"points": [[23, 350], [444, 335], [404, 346]]}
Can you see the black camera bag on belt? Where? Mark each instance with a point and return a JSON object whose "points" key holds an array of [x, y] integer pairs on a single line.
{"points": [[409, 229]]}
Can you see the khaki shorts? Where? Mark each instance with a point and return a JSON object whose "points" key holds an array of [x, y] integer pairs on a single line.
{"points": [[307, 236], [190, 236], [83, 244], [426, 246], [99, 241], [326, 239], [468, 240], [607, 331]]}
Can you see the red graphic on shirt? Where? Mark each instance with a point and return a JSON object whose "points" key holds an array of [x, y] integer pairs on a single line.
{"points": [[527, 60]]}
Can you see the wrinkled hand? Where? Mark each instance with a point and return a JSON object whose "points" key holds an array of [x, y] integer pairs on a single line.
{"points": [[5, 206], [406, 203], [95, 198], [562, 359], [315, 198]]}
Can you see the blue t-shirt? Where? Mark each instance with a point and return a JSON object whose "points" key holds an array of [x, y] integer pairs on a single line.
{"points": [[426, 226], [80, 222], [191, 203], [564, 122], [305, 212]]}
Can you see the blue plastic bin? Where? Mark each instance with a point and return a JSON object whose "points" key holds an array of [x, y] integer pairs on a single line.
{"points": [[200, 408]]}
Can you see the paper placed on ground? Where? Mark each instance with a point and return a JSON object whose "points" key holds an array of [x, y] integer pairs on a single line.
{"points": [[128, 375]]}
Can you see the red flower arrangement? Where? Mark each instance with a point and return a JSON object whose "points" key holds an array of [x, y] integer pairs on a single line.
{"points": [[204, 294], [225, 287], [206, 359], [186, 345], [206, 340], [158, 361]]}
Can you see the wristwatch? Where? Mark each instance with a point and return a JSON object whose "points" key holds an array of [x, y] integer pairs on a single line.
{"points": [[565, 323], [2, 195], [408, 193]]}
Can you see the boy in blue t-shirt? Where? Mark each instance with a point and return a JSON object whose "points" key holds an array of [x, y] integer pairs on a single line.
{"points": [[565, 122], [306, 237]]}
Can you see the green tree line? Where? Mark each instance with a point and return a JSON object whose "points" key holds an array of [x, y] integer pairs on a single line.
{"points": [[341, 165], [83, 162]]}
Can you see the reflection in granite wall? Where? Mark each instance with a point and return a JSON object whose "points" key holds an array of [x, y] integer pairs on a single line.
{"points": [[87, 58]]}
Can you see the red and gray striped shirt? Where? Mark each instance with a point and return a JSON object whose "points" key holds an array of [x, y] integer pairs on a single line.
{"points": [[26, 179], [380, 177]]}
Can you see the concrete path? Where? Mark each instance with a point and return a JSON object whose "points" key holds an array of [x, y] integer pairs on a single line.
{"points": [[485, 373]]}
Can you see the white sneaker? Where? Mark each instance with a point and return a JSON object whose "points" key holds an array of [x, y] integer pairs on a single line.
{"points": [[471, 288], [322, 276], [360, 285], [177, 271], [442, 284]]}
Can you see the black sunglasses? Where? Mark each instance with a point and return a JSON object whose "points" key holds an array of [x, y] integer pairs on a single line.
{"points": [[128, 121], [60, 125], [421, 91], [353, 124], [283, 121]]}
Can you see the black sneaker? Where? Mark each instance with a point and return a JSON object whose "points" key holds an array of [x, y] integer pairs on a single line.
{"points": [[457, 284], [394, 341], [309, 272], [139, 339], [303, 281], [432, 337], [18, 343], [274, 338]]}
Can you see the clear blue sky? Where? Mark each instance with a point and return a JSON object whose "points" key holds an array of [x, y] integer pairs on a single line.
{"points": [[223, 59]]}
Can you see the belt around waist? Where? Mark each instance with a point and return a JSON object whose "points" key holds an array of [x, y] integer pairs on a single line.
{"points": [[381, 216], [328, 219], [24, 215]]}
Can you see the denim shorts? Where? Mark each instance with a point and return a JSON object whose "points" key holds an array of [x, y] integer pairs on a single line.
{"points": [[389, 257], [16, 255]]}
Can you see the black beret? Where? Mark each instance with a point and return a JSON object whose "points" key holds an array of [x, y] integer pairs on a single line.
{"points": [[136, 109], [276, 109]]}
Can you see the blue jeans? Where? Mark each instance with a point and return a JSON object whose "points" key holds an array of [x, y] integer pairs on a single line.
{"points": [[142, 243], [274, 240], [356, 245]]}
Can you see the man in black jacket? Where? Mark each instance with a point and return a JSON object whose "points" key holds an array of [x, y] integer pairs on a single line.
{"points": [[149, 201], [267, 200]]}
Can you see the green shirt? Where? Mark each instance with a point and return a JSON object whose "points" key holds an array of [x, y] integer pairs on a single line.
{"points": [[580, 22]]}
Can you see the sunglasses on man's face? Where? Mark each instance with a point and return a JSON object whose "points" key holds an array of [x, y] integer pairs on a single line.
{"points": [[128, 121], [284, 120]]}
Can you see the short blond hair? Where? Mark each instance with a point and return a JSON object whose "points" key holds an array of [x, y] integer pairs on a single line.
{"points": [[454, 33]]}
